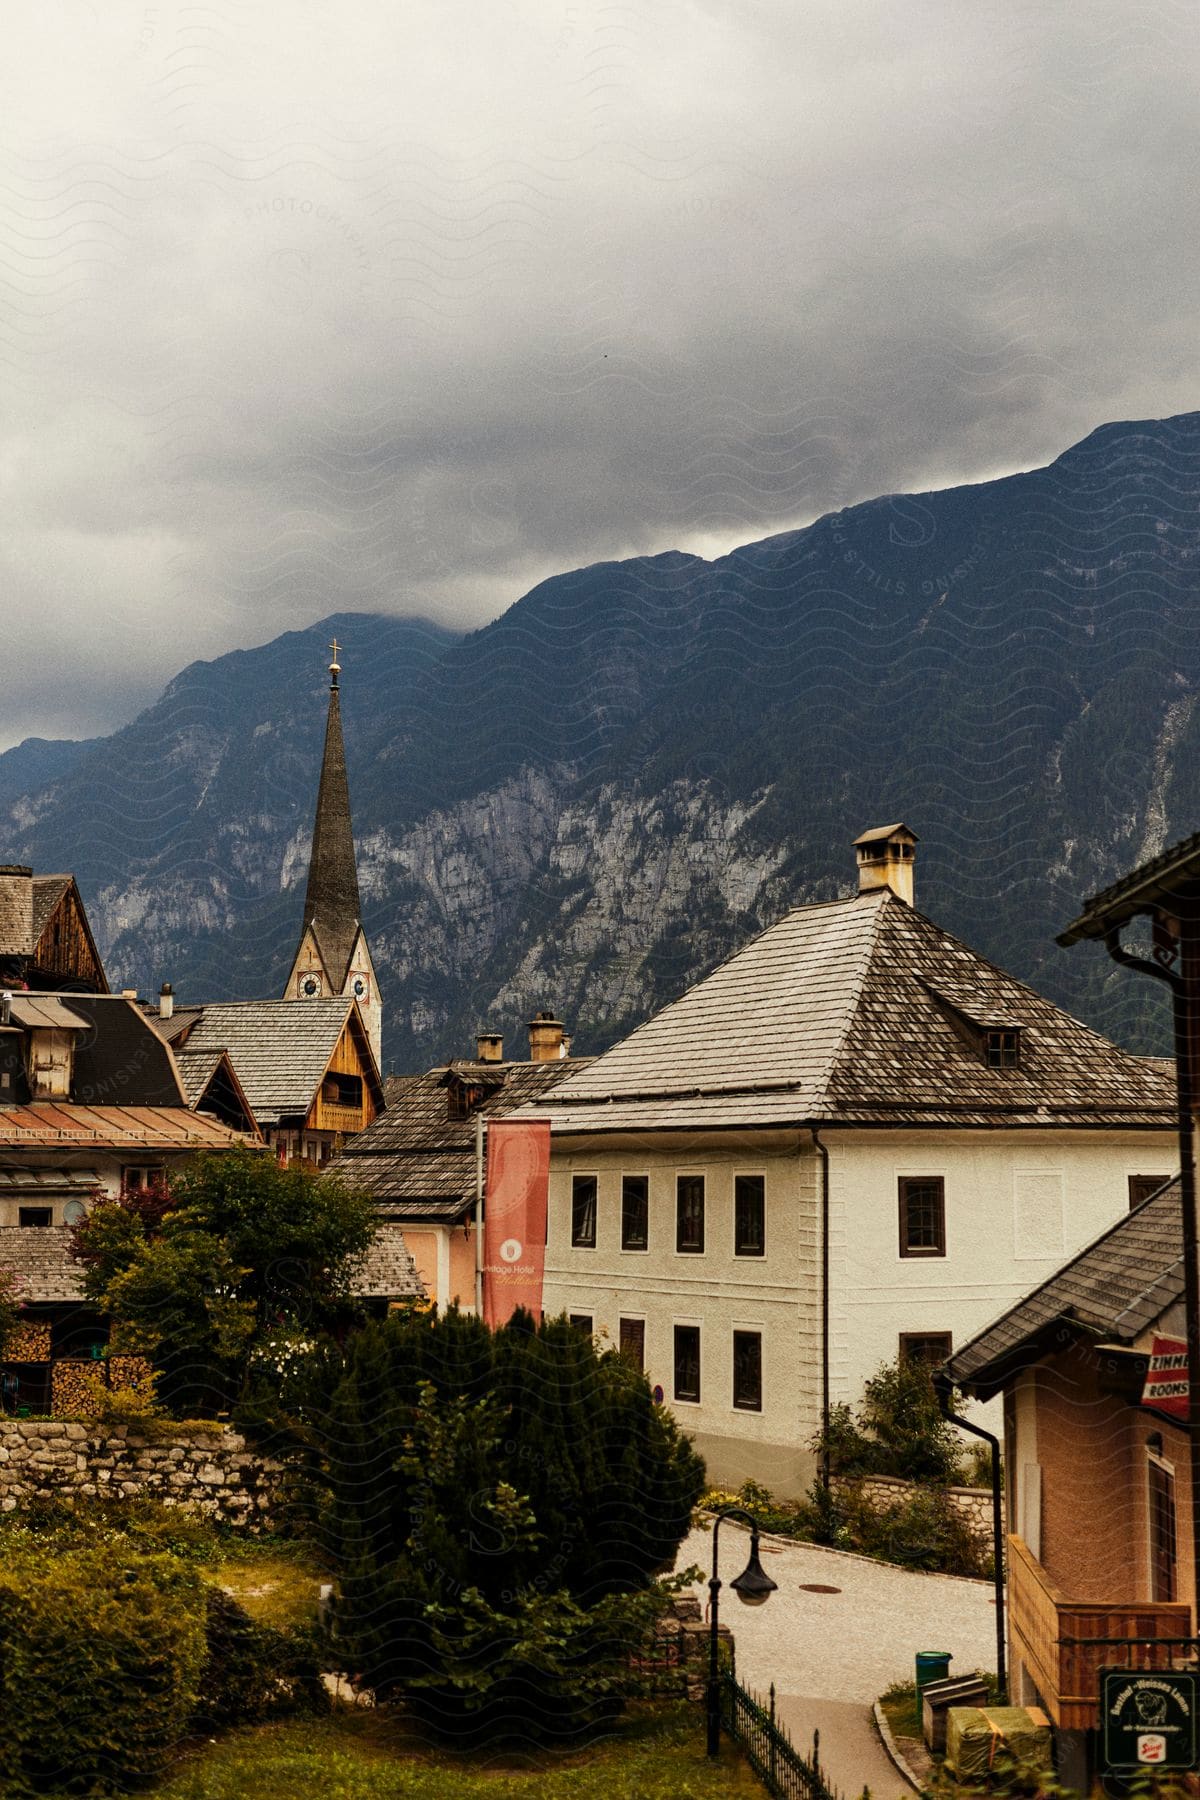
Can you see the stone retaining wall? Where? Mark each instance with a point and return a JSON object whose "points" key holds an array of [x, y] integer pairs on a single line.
{"points": [[214, 1471], [974, 1504]]}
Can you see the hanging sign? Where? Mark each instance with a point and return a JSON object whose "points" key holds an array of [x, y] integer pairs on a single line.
{"points": [[514, 1217], [1166, 1387], [1148, 1720]]}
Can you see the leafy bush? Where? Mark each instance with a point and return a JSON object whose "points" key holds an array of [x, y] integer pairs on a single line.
{"points": [[897, 1429], [100, 1659], [786, 1518], [499, 1506], [253, 1671], [237, 1251], [922, 1529]]}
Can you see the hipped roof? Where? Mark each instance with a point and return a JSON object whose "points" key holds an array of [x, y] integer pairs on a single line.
{"points": [[852, 1012]]}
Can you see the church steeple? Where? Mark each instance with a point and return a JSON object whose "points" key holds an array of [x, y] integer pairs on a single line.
{"points": [[331, 901], [333, 957]]}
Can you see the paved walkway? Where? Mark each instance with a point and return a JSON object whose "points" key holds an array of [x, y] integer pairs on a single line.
{"points": [[831, 1655]]}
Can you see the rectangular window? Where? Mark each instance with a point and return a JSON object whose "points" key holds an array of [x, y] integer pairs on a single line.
{"points": [[1162, 1532], [35, 1215], [747, 1371], [1142, 1186], [583, 1212], [635, 1212], [687, 1362], [633, 1341], [749, 1215], [931, 1347], [689, 1214], [922, 1215], [1003, 1049], [581, 1321]]}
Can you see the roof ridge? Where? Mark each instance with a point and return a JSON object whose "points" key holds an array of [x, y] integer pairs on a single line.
{"points": [[881, 896]]}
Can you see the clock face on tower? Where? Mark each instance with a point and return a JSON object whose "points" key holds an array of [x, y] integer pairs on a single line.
{"points": [[360, 986], [310, 986]]}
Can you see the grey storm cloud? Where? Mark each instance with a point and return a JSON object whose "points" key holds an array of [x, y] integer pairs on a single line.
{"points": [[306, 308]]}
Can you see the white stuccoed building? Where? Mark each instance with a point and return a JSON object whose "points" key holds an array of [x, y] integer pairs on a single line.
{"points": [[856, 1138]]}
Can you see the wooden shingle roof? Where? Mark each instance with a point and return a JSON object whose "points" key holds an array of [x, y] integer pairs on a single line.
{"points": [[415, 1159], [40, 1259], [279, 1048], [387, 1270], [853, 1012], [1113, 1290], [48, 890]]}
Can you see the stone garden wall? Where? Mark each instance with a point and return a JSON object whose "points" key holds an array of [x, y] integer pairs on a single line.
{"points": [[215, 1470], [975, 1504]]}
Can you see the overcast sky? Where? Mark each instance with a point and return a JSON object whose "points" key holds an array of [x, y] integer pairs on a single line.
{"points": [[405, 304]]}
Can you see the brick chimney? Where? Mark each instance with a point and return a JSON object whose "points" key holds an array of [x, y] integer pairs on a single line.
{"points": [[489, 1047], [885, 859], [546, 1038], [16, 910]]}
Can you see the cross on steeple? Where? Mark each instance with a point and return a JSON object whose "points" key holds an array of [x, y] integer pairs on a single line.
{"points": [[335, 667]]}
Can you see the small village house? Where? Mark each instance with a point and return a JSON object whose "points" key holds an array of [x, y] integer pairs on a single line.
{"points": [[91, 1105], [854, 1139], [418, 1160], [1101, 1411], [1098, 1489]]}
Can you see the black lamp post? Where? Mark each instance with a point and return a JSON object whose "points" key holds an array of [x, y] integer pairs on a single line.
{"points": [[752, 1587]]}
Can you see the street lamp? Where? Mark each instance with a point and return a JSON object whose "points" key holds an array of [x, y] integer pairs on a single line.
{"points": [[752, 1587]]}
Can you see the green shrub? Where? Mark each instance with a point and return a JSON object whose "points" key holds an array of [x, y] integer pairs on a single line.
{"points": [[494, 1499], [100, 1660], [253, 1671], [897, 1429], [119, 1523], [785, 1518], [922, 1529]]}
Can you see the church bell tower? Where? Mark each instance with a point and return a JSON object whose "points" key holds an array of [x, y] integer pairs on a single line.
{"points": [[333, 957]]}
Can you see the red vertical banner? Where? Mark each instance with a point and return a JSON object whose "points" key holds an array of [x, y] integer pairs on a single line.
{"points": [[514, 1217]]}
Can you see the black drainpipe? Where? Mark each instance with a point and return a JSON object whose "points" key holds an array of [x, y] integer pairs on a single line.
{"points": [[823, 1153], [944, 1388]]}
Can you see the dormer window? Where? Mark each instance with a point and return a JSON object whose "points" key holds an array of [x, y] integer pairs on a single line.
{"points": [[463, 1098], [1003, 1047]]}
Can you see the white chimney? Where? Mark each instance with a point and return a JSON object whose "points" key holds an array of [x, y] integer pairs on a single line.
{"points": [[166, 1001], [885, 860]]}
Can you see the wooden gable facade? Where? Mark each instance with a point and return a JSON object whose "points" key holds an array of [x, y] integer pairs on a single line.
{"points": [[350, 1093], [65, 956]]}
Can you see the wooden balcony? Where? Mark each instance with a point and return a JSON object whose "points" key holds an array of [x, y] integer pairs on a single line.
{"points": [[1060, 1641]]}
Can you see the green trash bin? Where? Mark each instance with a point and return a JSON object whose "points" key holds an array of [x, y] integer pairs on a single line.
{"points": [[932, 1665]]}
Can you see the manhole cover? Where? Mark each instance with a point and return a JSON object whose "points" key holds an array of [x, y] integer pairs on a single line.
{"points": [[818, 1587]]}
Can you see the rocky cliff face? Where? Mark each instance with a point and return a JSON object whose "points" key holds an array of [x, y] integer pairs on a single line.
{"points": [[592, 801]]}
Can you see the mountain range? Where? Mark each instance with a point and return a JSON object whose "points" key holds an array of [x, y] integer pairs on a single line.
{"points": [[587, 804]]}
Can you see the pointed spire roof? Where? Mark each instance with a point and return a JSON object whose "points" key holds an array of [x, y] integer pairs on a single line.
{"points": [[331, 903]]}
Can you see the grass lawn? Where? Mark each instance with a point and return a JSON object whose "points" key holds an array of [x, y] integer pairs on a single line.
{"points": [[366, 1756], [276, 1587]]}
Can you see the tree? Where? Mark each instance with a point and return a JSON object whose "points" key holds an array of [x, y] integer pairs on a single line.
{"points": [[499, 1505], [897, 1429], [233, 1254]]}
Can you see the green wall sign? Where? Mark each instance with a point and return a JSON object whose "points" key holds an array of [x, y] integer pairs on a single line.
{"points": [[1148, 1719]]}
